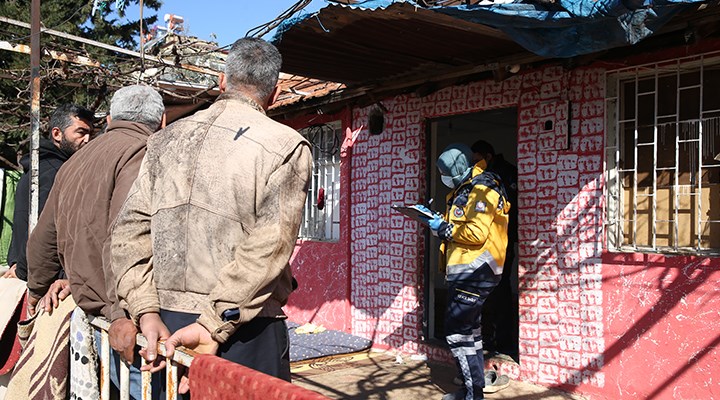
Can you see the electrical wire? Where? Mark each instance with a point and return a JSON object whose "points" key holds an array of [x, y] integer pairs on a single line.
{"points": [[263, 29], [46, 28]]}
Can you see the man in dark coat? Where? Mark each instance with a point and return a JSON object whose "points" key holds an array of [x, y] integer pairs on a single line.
{"points": [[500, 313], [72, 233], [70, 128]]}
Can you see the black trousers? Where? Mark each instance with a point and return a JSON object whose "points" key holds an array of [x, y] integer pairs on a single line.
{"points": [[261, 344], [500, 313]]}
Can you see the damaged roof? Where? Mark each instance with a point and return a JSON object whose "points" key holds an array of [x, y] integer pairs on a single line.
{"points": [[355, 45], [383, 41]]}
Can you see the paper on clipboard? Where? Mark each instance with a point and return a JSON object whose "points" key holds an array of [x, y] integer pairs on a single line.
{"points": [[415, 213]]}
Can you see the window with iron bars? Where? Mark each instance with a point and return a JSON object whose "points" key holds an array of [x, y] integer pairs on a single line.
{"points": [[322, 208], [663, 157]]}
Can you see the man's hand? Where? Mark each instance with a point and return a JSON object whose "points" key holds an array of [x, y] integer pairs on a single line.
{"points": [[194, 337], [435, 224], [59, 290], [10, 273], [32, 302], [122, 338], [153, 329]]}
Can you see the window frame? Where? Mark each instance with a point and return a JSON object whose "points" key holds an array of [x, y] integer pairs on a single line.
{"points": [[615, 203], [309, 229]]}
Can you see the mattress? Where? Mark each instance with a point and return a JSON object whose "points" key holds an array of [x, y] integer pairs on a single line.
{"points": [[304, 346]]}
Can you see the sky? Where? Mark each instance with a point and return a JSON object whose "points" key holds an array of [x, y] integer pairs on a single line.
{"points": [[228, 20]]}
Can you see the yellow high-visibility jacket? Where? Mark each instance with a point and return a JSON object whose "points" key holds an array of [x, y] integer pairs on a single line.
{"points": [[474, 233]]}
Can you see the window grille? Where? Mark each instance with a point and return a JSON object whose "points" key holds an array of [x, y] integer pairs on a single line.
{"points": [[323, 222], [663, 157]]}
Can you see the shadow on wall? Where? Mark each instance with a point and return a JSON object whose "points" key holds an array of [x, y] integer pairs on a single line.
{"points": [[322, 295], [678, 282], [570, 309]]}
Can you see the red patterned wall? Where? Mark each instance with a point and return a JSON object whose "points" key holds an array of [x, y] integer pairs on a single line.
{"points": [[606, 325], [322, 268]]}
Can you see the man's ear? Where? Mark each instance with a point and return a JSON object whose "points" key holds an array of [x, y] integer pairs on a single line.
{"points": [[108, 119], [56, 134], [222, 82]]}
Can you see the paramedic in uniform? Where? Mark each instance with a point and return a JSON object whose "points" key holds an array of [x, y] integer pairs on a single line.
{"points": [[474, 238]]}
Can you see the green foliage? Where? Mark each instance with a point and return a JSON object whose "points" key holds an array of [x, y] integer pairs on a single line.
{"points": [[62, 82]]}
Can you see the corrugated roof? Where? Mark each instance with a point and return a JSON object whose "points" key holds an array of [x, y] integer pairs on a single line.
{"points": [[354, 45], [377, 42]]}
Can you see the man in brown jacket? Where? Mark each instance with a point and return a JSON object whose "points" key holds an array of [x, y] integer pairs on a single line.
{"points": [[203, 242], [73, 231]]}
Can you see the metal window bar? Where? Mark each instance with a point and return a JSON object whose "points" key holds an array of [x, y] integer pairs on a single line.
{"points": [[635, 166], [699, 134], [320, 224], [676, 183], [615, 200], [655, 165], [700, 161], [620, 195], [180, 357]]}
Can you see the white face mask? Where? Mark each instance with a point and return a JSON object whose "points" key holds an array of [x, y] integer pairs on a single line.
{"points": [[454, 181]]}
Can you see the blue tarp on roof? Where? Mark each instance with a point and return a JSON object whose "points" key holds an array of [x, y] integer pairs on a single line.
{"points": [[575, 27]]}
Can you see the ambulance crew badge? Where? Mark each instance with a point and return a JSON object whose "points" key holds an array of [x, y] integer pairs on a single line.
{"points": [[480, 206], [458, 212]]}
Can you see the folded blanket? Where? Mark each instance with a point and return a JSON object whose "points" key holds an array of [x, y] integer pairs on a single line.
{"points": [[44, 366], [84, 384]]}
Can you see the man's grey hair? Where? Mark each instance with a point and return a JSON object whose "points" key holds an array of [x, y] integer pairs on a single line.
{"points": [[138, 103], [253, 64]]}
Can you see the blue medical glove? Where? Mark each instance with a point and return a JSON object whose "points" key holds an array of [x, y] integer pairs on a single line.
{"points": [[435, 224]]}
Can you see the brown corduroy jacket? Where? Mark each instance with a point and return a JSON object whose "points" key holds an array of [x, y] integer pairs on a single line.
{"points": [[73, 231], [212, 220]]}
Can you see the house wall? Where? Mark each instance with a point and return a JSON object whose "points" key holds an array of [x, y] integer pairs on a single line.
{"points": [[322, 268], [610, 326]]}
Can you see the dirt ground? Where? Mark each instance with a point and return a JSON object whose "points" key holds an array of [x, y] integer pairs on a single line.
{"points": [[379, 376]]}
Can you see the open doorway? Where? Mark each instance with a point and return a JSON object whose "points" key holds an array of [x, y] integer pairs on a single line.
{"points": [[499, 128]]}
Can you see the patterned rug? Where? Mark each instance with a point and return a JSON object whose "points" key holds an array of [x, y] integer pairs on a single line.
{"points": [[44, 365]]}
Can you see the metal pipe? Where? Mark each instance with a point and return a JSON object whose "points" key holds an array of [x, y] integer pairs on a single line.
{"points": [[104, 365], [171, 370], [34, 113], [124, 381], [146, 383]]}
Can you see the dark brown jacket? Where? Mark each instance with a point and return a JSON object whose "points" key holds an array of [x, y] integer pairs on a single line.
{"points": [[212, 220], [73, 229]]}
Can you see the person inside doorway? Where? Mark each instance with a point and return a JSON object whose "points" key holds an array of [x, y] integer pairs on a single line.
{"points": [[474, 239], [500, 312]]}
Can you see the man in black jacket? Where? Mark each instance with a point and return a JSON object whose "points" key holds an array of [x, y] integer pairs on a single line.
{"points": [[500, 311], [69, 129]]}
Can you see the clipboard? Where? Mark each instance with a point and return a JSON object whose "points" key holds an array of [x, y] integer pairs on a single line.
{"points": [[415, 213]]}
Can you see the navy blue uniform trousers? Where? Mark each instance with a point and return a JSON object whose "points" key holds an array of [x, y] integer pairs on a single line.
{"points": [[463, 330]]}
